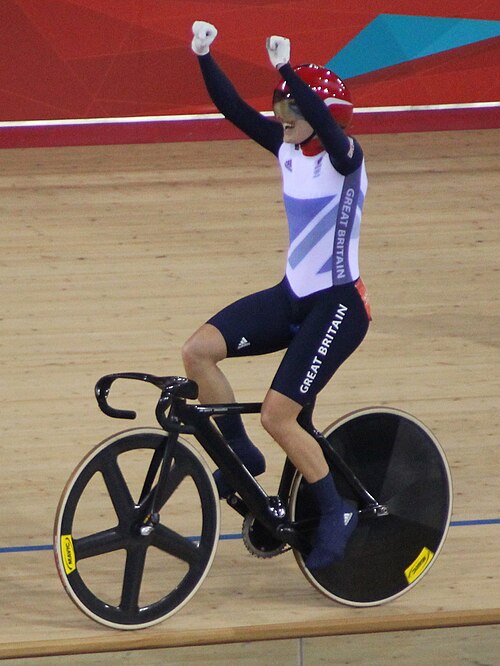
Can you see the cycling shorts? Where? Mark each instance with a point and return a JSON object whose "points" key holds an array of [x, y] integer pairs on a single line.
{"points": [[319, 332]]}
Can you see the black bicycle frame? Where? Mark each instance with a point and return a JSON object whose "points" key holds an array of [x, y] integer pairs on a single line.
{"points": [[267, 509], [254, 499], [175, 416]]}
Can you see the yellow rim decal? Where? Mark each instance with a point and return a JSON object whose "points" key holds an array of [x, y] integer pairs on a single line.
{"points": [[418, 567], [68, 553]]}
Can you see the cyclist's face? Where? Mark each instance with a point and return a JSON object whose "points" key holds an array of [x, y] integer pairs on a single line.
{"points": [[295, 128]]}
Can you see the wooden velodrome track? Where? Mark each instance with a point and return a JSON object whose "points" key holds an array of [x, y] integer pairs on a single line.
{"points": [[111, 256]]}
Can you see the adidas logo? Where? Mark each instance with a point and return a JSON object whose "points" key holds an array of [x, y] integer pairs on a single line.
{"points": [[347, 518], [317, 167], [243, 343], [288, 165]]}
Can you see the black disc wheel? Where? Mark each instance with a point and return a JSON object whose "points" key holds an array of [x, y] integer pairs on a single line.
{"points": [[401, 464], [118, 566]]}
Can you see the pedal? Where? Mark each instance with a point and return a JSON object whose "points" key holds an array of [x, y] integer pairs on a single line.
{"points": [[237, 504], [375, 511], [291, 536]]}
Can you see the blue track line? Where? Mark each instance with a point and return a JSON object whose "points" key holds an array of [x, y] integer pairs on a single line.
{"points": [[24, 549], [486, 521], [233, 537]]}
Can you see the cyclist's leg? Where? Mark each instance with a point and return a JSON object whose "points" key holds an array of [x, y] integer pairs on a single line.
{"points": [[338, 517], [333, 329], [255, 324], [201, 355]]}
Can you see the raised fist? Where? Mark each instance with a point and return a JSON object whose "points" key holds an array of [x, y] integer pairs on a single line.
{"points": [[203, 35], [278, 49]]}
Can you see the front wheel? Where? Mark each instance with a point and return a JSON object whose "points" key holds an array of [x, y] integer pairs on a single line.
{"points": [[115, 573], [401, 464]]}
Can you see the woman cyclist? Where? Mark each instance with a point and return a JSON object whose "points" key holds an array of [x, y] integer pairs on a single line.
{"points": [[319, 312]]}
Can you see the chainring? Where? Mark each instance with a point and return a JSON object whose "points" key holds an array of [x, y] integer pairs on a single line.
{"points": [[259, 542]]}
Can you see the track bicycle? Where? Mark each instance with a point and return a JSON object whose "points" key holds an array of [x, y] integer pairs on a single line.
{"points": [[138, 522]]}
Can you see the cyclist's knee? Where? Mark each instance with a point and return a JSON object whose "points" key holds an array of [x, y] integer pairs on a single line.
{"points": [[268, 420], [206, 345], [278, 415], [194, 352]]}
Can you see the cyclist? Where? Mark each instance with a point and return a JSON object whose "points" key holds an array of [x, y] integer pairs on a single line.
{"points": [[319, 312]]}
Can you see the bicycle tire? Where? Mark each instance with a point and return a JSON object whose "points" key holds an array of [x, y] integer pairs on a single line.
{"points": [[113, 573], [402, 465]]}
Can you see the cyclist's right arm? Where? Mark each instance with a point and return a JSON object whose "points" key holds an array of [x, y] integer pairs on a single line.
{"points": [[266, 132]]}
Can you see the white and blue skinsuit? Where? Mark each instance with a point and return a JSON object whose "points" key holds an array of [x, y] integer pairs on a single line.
{"points": [[318, 312]]}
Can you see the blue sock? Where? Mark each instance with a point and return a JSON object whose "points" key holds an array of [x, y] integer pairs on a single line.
{"points": [[233, 430], [337, 522], [326, 494]]}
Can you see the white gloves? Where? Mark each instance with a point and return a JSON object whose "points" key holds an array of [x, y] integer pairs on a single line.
{"points": [[278, 49], [204, 34]]}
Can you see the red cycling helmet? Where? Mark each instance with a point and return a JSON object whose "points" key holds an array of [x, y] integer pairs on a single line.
{"points": [[327, 85]]}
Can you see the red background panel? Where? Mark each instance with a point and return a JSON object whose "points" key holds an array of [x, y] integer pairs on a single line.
{"points": [[62, 59]]}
